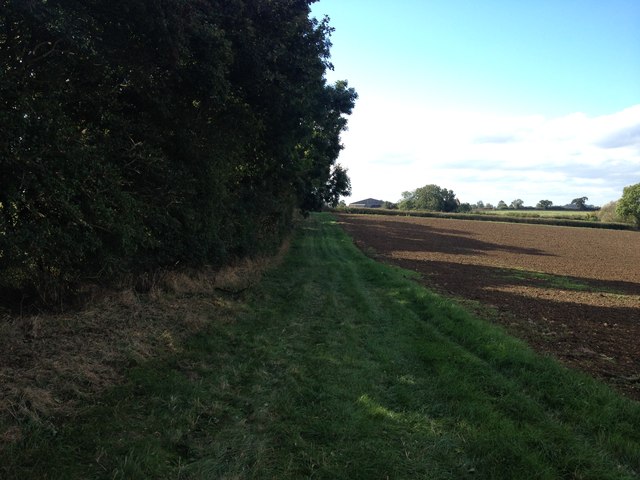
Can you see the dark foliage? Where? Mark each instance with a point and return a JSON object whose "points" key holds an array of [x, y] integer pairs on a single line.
{"points": [[140, 135]]}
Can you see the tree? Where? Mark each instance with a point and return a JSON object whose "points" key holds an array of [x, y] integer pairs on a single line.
{"points": [[430, 197], [544, 204], [480, 204], [407, 201], [338, 185], [464, 208], [608, 213], [580, 202], [319, 182], [140, 135], [489, 206], [629, 205], [502, 205], [517, 204]]}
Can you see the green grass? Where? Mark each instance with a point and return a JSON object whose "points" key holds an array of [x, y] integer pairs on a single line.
{"points": [[337, 367], [560, 214], [546, 280], [549, 281]]}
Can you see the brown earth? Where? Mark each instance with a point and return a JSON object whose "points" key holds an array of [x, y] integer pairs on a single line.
{"points": [[570, 292]]}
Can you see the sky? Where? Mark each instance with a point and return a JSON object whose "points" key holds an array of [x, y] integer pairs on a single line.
{"points": [[493, 99]]}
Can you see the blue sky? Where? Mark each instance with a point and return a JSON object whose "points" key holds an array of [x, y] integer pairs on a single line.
{"points": [[495, 99]]}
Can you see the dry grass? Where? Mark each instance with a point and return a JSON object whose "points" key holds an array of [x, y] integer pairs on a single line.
{"points": [[51, 362]]}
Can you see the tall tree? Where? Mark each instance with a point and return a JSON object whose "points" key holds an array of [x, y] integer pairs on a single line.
{"points": [[517, 204], [144, 134], [320, 180], [580, 202], [629, 205], [430, 197]]}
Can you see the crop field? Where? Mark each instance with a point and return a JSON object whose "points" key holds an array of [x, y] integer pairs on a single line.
{"points": [[573, 293], [568, 214]]}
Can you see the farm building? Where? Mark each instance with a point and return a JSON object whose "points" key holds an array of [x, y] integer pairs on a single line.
{"points": [[367, 203]]}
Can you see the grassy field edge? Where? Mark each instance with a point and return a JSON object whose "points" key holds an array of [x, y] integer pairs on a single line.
{"points": [[512, 216], [336, 366]]}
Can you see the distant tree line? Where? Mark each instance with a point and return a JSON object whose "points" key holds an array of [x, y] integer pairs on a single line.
{"points": [[144, 134], [518, 204], [437, 199]]}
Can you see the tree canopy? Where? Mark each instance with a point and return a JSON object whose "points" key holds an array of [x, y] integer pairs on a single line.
{"points": [[517, 204], [143, 134], [629, 205], [580, 202], [430, 197]]}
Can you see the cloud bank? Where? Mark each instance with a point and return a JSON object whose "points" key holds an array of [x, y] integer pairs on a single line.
{"points": [[393, 147]]}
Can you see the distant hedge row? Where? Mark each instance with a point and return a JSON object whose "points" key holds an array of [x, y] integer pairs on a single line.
{"points": [[144, 134], [488, 218]]}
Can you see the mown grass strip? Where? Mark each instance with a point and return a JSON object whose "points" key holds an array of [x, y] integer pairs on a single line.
{"points": [[338, 367]]}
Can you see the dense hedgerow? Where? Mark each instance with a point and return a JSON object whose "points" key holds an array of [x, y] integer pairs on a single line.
{"points": [[138, 135]]}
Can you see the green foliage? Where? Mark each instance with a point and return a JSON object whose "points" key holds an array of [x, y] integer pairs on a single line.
{"points": [[544, 204], [145, 134], [464, 208], [629, 205], [608, 213], [321, 184], [502, 205], [580, 202], [517, 204], [430, 197]]}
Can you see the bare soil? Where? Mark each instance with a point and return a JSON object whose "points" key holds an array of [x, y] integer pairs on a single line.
{"points": [[573, 293]]}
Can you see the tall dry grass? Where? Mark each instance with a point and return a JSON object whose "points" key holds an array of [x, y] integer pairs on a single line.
{"points": [[50, 362]]}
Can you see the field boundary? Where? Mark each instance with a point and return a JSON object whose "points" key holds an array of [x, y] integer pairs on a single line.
{"points": [[487, 218]]}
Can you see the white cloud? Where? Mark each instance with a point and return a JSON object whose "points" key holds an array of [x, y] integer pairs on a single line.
{"points": [[392, 147]]}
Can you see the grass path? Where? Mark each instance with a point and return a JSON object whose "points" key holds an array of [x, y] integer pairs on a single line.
{"points": [[338, 367]]}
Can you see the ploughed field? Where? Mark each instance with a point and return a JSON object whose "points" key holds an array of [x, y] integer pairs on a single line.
{"points": [[570, 292]]}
